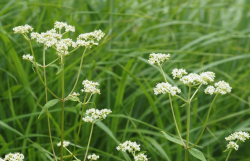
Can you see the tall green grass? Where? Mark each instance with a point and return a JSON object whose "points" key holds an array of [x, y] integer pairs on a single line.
{"points": [[200, 35]]}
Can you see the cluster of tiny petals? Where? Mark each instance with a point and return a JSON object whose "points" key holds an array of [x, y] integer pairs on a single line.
{"points": [[242, 136], [28, 57], [90, 87], [207, 77], [22, 29], [65, 143], [177, 73], [14, 157], [89, 39], [193, 78], [141, 157], [233, 145], [95, 114], [221, 87], [93, 157], [162, 88], [129, 146], [210, 90], [158, 59], [60, 25], [63, 45]]}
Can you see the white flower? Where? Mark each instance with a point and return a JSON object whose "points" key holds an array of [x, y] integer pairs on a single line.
{"points": [[129, 146], [238, 136], [210, 90], [70, 28], [22, 29], [65, 143], [90, 87], [207, 77], [93, 157], [28, 57], [95, 115], [89, 39], [222, 87], [1, 159], [177, 73], [59, 25], [63, 45], [232, 144], [141, 157], [162, 88], [191, 79], [158, 59], [74, 94], [14, 157]]}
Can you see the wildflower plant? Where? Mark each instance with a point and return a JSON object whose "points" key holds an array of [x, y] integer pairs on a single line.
{"points": [[62, 46], [192, 81], [13, 157]]}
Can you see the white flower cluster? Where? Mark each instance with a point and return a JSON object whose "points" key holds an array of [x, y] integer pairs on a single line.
{"points": [[221, 87], [162, 88], [22, 29], [129, 146], [65, 143], [242, 136], [13, 157], [177, 73], [89, 39], [141, 157], [158, 59], [95, 115], [28, 57], [195, 79], [93, 157], [60, 25], [90, 87]]}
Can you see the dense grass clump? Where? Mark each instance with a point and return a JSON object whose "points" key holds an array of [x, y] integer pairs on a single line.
{"points": [[207, 35]]}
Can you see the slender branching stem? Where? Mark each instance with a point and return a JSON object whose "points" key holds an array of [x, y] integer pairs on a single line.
{"points": [[47, 111], [228, 154], [188, 123], [79, 70], [72, 154], [89, 141], [175, 121], [44, 66], [39, 73], [205, 124], [62, 117], [195, 92], [79, 127], [182, 98], [163, 73]]}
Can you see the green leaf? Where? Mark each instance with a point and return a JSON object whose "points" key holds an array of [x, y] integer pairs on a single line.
{"points": [[197, 154], [177, 141], [60, 68], [48, 105], [78, 107]]}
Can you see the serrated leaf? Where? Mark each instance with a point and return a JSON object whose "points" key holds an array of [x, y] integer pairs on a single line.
{"points": [[177, 141], [48, 105], [197, 154], [59, 69]]}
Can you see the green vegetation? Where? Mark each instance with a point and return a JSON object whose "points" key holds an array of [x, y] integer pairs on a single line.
{"points": [[204, 35]]}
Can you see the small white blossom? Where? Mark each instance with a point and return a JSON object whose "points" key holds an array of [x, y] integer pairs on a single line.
{"points": [[65, 143], [162, 88], [232, 144], [89, 39], [222, 87], [158, 59], [191, 79], [210, 90], [22, 29], [70, 28], [242, 136], [177, 73], [90, 87], [141, 157], [59, 25], [28, 57], [1, 159], [63, 45], [14, 157], [129, 146], [207, 77], [93, 157], [94, 115]]}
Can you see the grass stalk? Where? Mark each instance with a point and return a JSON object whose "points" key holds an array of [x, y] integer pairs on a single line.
{"points": [[188, 123], [62, 117], [89, 141]]}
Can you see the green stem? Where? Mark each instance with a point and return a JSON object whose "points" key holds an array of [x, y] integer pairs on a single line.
{"points": [[77, 74], [175, 120], [188, 123], [72, 154], [205, 122], [195, 92], [181, 98], [44, 66], [62, 117], [163, 73], [47, 111], [89, 141], [79, 127], [39, 73], [228, 154]]}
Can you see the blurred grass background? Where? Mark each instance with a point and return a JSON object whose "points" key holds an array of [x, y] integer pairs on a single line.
{"points": [[201, 35]]}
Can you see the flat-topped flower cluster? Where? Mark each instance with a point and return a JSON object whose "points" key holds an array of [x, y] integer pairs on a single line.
{"points": [[90, 87], [13, 157], [65, 143], [93, 157], [238, 136], [94, 115]]}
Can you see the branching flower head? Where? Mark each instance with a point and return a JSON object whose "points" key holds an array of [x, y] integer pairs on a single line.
{"points": [[89, 39], [14, 157], [177, 73], [65, 143], [129, 146], [210, 90], [220, 88], [162, 88], [22, 29], [90, 87], [158, 59], [28, 57], [94, 115], [93, 157], [238, 136], [207, 77], [141, 157], [191, 79], [233, 145]]}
